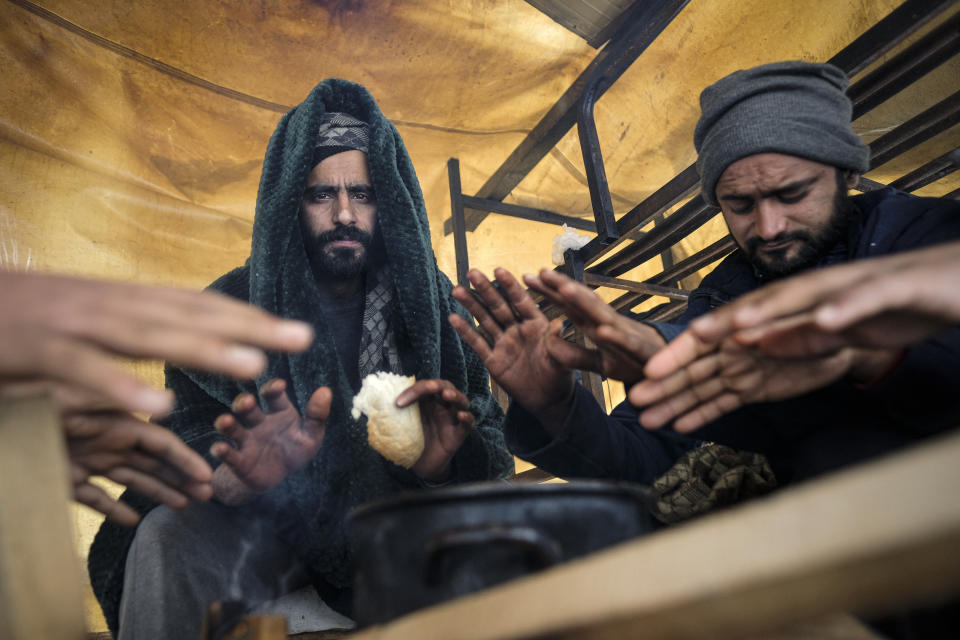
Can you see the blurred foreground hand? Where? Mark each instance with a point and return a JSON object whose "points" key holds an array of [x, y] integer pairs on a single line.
{"points": [[62, 335]]}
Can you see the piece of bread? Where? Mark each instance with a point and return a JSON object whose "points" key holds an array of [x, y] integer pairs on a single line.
{"points": [[396, 433]]}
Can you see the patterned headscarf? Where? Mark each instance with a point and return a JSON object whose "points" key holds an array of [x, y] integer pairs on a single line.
{"points": [[339, 132]]}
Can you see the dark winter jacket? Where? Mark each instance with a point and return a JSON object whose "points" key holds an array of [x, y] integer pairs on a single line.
{"points": [[802, 437]]}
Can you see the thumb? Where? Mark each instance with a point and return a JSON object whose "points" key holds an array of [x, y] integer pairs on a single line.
{"points": [[572, 356], [318, 408]]}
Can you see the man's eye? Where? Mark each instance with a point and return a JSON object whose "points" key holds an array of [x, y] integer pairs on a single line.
{"points": [[791, 197]]}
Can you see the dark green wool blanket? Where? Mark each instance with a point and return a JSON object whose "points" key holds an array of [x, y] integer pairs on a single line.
{"points": [[277, 277]]}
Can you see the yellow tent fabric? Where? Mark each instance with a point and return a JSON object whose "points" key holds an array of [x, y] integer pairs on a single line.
{"points": [[131, 133]]}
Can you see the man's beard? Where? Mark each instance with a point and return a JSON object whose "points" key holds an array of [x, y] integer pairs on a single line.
{"points": [[340, 263], [812, 247]]}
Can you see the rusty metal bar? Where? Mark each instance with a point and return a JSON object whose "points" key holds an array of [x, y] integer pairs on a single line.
{"points": [[678, 188], [665, 312], [594, 280], [618, 54], [573, 267], [918, 129], [600, 80], [896, 27], [906, 67], [930, 172], [681, 270], [527, 213], [459, 226], [682, 222]]}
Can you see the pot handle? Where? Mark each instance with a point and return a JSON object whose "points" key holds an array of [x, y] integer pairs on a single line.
{"points": [[544, 550]]}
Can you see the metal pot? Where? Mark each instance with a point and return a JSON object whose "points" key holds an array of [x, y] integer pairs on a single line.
{"points": [[423, 548]]}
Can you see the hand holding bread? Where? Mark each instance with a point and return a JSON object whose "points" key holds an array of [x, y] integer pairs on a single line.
{"points": [[441, 411], [397, 433]]}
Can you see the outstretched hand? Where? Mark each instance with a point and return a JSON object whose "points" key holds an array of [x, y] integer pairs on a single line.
{"points": [[513, 345], [268, 446], [447, 421], [67, 331], [806, 331], [143, 456], [622, 345], [887, 302], [724, 377]]}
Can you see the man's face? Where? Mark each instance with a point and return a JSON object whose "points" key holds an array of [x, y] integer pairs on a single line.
{"points": [[784, 212], [338, 215]]}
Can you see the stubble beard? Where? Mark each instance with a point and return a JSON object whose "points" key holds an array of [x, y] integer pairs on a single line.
{"points": [[812, 247], [340, 263]]}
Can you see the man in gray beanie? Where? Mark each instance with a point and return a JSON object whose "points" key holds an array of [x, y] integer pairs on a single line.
{"points": [[340, 241], [794, 108], [778, 155]]}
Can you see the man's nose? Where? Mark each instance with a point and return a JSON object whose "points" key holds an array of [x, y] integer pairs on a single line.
{"points": [[345, 214], [770, 220]]}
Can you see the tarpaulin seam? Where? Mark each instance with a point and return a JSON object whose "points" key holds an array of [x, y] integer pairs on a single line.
{"points": [[162, 67]]}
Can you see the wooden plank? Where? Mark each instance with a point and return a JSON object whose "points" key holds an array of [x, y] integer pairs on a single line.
{"points": [[868, 539], [40, 585]]}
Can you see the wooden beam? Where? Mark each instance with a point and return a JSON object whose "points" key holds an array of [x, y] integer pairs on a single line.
{"points": [[880, 536], [40, 586]]}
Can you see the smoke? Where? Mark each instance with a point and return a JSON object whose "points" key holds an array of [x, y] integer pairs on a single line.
{"points": [[265, 568]]}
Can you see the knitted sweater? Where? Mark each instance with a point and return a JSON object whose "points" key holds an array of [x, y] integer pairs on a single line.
{"points": [[277, 277]]}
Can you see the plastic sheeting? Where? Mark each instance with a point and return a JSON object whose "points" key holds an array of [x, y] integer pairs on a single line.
{"points": [[131, 133]]}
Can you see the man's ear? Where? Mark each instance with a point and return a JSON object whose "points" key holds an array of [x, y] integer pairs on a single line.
{"points": [[852, 178]]}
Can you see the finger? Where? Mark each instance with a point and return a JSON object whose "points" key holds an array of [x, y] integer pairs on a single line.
{"points": [[226, 454], [182, 345], [160, 471], [418, 390], [274, 394], [98, 500], [536, 284], [500, 310], [479, 308], [859, 303], [196, 329], [227, 426], [633, 341], [465, 420], [679, 353], [789, 340], [776, 326], [707, 412], [317, 411], [519, 298], [788, 297], [652, 390], [681, 403], [573, 356], [586, 304], [471, 336], [247, 411], [454, 398], [149, 485], [76, 364], [164, 445]]}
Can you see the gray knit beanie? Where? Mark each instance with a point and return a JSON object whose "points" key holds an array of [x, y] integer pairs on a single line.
{"points": [[797, 108]]}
